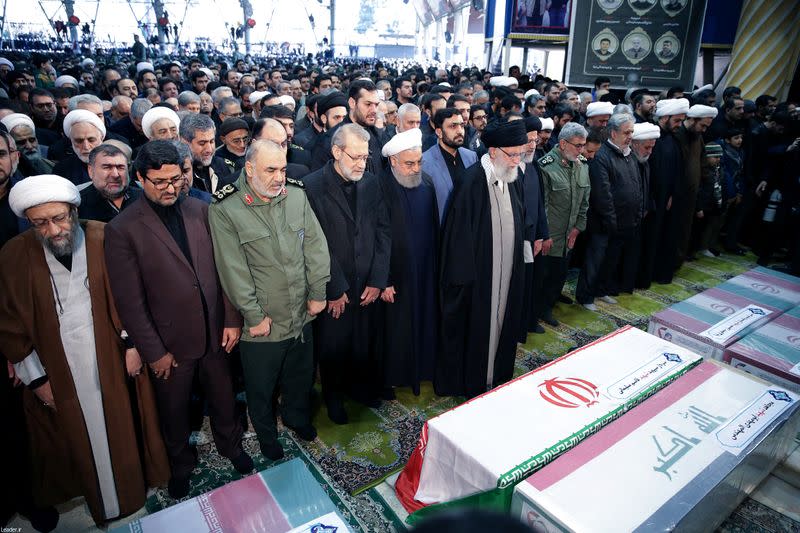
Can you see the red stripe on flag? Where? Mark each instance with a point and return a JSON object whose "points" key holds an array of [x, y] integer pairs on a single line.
{"points": [[247, 505], [621, 428]]}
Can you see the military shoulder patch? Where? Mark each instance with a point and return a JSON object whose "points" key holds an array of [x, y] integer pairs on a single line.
{"points": [[296, 183], [229, 163], [224, 192], [297, 147], [582, 159], [546, 160]]}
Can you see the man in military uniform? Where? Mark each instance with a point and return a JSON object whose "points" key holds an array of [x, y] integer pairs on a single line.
{"points": [[274, 265], [565, 186], [235, 136]]}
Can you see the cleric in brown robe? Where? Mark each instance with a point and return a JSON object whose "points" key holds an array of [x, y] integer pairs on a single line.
{"points": [[85, 439]]}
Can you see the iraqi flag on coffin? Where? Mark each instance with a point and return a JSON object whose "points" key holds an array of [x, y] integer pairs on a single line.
{"points": [[681, 461], [474, 454], [771, 352], [709, 322], [284, 498]]}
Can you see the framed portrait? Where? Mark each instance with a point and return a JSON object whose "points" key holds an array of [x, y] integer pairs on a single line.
{"points": [[673, 7], [605, 44], [641, 7], [636, 45], [667, 47]]}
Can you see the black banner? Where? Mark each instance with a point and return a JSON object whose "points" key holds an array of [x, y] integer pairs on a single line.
{"points": [[541, 17], [636, 43]]}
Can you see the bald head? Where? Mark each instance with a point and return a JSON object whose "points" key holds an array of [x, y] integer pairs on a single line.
{"points": [[274, 131]]}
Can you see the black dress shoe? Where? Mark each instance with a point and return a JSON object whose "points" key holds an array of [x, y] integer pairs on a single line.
{"points": [[564, 299], [550, 321], [388, 394], [44, 519], [243, 463], [307, 432], [537, 329], [178, 487], [336, 412], [272, 451]]}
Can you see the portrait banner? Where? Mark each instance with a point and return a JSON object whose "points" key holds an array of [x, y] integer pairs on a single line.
{"points": [[635, 43], [541, 17]]}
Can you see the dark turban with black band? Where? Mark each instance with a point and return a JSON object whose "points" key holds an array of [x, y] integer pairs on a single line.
{"points": [[502, 134], [533, 124], [331, 100]]}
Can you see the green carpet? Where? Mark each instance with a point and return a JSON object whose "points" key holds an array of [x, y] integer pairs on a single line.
{"points": [[349, 460]]}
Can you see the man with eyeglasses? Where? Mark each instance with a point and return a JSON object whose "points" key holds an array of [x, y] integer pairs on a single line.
{"points": [[274, 264], [478, 118], [565, 187], [348, 202], [447, 161], [110, 191], [482, 269], [235, 136], [60, 329], [164, 280], [45, 116]]}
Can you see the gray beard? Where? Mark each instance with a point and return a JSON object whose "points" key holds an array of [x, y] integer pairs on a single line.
{"points": [[408, 182], [33, 155], [528, 158], [65, 248], [506, 175], [641, 159]]}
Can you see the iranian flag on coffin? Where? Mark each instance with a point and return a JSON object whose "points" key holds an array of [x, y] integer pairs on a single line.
{"points": [[475, 453], [771, 352], [709, 322], [766, 286], [683, 460], [284, 498]]}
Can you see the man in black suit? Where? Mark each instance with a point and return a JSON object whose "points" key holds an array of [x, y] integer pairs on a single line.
{"points": [[605, 43], [349, 205]]}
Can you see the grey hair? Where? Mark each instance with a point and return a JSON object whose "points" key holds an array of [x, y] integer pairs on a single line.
{"points": [[187, 97], [348, 130], [618, 120], [570, 130], [260, 144], [139, 107], [119, 99], [383, 83], [194, 123], [225, 102], [623, 109], [75, 101], [106, 149], [584, 95], [183, 150], [480, 94], [405, 109], [219, 93]]}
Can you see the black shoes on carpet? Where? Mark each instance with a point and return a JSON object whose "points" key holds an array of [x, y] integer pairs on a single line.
{"points": [[336, 412], [178, 487], [243, 463], [550, 320], [564, 299], [272, 451], [538, 329], [307, 432]]}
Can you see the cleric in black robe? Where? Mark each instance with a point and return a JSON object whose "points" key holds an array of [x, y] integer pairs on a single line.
{"points": [[410, 317], [349, 205], [482, 270]]}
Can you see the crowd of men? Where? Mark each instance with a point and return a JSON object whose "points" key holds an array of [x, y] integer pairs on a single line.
{"points": [[175, 231]]}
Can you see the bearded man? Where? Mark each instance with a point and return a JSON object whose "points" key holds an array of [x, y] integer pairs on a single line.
{"points": [[110, 191], [59, 326], [482, 271], [86, 132], [410, 339], [23, 130]]}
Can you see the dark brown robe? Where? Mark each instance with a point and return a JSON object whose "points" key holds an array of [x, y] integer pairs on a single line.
{"points": [[63, 464]]}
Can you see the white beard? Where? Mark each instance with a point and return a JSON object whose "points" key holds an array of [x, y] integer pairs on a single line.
{"points": [[507, 174], [408, 182]]}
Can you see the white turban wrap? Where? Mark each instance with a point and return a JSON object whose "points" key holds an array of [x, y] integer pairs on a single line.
{"points": [[88, 62], [403, 141], [702, 111], [503, 81], [256, 96], [703, 88], [144, 65], [65, 79], [285, 99], [531, 92], [672, 106], [599, 108], [207, 72], [445, 84], [38, 190], [155, 114], [6, 62], [77, 116], [18, 119], [645, 131], [548, 124]]}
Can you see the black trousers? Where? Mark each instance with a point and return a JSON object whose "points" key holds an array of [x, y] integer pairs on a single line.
{"points": [[655, 259], [287, 366], [593, 279], [623, 255], [173, 397], [551, 272]]}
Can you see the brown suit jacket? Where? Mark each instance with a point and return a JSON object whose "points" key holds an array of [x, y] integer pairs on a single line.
{"points": [[158, 293]]}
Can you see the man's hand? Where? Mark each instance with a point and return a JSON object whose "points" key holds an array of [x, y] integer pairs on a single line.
{"points": [[12, 374], [45, 395], [537, 247], [388, 295], [571, 238], [699, 214], [163, 367], [336, 307], [761, 187], [369, 295], [230, 336], [133, 362], [546, 245], [669, 203], [315, 307], [262, 329]]}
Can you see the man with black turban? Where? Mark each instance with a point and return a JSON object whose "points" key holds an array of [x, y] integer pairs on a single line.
{"points": [[482, 269]]}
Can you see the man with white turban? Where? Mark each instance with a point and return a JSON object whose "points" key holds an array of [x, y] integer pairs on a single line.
{"points": [[690, 140], [85, 132], [161, 123], [410, 327], [598, 113], [59, 328], [666, 172], [23, 130], [67, 82]]}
